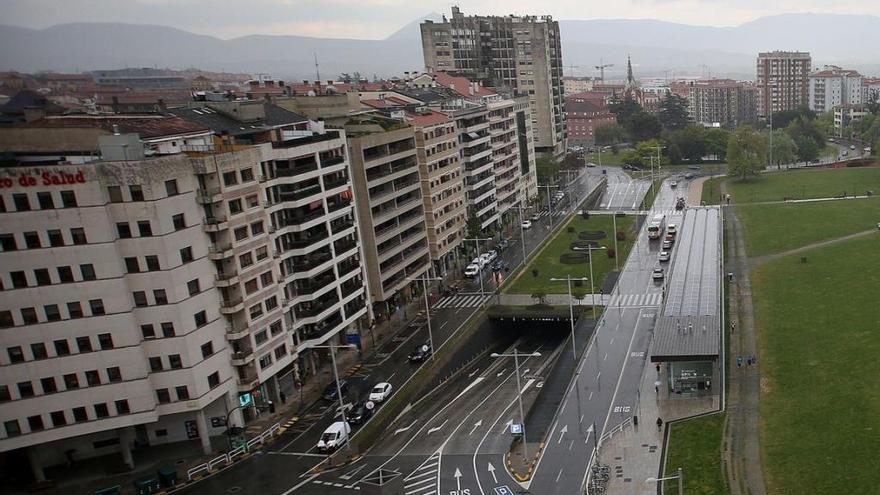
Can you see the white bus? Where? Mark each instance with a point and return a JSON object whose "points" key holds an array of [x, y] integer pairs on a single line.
{"points": [[656, 226]]}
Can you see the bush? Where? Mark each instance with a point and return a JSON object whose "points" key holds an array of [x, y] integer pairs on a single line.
{"points": [[535, 272], [592, 235], [621, 235], [585, 214], [574, 258], [578, 283], [570, 229], [611, 253]]}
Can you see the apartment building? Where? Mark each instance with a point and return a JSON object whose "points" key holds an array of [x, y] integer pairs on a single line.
{"points": [[522, 53], [573, 85], [505, 156], [182, 278], [722, 102], [782, 81], [833, 86]]}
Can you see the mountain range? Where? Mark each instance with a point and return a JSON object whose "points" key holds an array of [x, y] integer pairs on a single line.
{"points": [[657, 48]]}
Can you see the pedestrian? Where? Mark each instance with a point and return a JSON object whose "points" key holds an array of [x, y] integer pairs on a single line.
{"points": [[658, 368], [283, 397], [739, 361], [749, 360], [754, 359], [657, 389], [732, 326], [659, 424]]}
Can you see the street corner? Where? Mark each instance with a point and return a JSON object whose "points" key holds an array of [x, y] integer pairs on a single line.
{"points": [[522, 469]]}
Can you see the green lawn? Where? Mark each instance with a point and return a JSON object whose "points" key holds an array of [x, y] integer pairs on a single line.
{"points": [[695, 446], [548, 265], [608, 158], [799, 184], [780, 227], [712, 190], [651, 195], [818, 333]]}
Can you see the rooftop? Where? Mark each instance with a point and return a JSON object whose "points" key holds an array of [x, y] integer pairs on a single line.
{"points": [[212, 116], [682, 338], [147, 126]]}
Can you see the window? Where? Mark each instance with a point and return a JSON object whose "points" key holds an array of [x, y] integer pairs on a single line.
{"points": [[122, 407], [7, 242], [12, 428], [163, 396], [182, 392], [186, 255], [161, 432], [252, 201], [52, 312], [160, 297], [19, 280], [71, 382], [87, 271], [21, 202], [68, 199], [200, 318], [147, 331], [137, 193], [174, 361], [155, 364], [256, 228], [55, 238], [144, 228], [266, 279], [230, 179], [57, 418], [6, 320], [45, 200], [78, 235], [42, 276], [275, 327], [62, 348], [65, 274], [123, 230], [140, 298], [171, 187], [105, 340], [32, 240], [48, 385], [35, 423], [4, 393], [115, 194], [84, 344], [241, 233], [193, 287], [247, 174], [262, 253], [168, 329], [97, 306], [261, 337], [80, 415], [271, 303], [38, 350], [256, 311], [25, 390], [93, 378], [114, 374], [246, 260], [152, 263], [101, 410], [132, 265], [74, 309], [2, 205], [235, 206], [280, 351], [15, 354], [265, 361], [179, 221], [250, 286], [29, 316], [213, 379], [207, 349]]}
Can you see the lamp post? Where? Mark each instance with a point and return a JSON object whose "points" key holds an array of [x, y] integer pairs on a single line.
{"points": [[477, 244], [679, 477], [522, 232], [522, 416], [333, 348], [425, 279], [651, 158], [568, 279], [549, 202]]}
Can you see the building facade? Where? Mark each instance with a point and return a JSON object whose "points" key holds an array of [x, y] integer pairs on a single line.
{"points": [[833, 86], [722, 102], [782, 81], [583, 117], [573, 85], [522, 54]]}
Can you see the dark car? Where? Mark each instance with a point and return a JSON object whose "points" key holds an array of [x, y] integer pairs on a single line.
{"points": [[421, 353], [679, 205], [330, 392], [500, 265], [502, 245], [360, 413]]}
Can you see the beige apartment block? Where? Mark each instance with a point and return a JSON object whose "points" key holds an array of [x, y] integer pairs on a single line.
{"points": [[783, 81]]}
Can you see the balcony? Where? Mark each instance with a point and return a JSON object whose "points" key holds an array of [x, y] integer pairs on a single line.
{"points": [[296, 169], [337, 205], [304, 243], [219, 252], [215, 224], [299, 194], [208, 196], [314, 285], [234, 332], [346, 268], [226, 278], [230, 306], [300, 141], [310, 262], [296, 220], [317, 330], [350, 288], [314, 308], [334, 183], [331, 161], [341, 225], [248, 382], [242, 358], [344, 246]]}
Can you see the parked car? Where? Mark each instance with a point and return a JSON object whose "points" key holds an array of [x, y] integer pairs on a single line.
{"points": [[421, 353], [380, 392], [335, 436], [479, 261], [331, 391], [663, 256], [672, 229], [852, 146], [360, 413], [502, 245], [657, 274], [472, 270], [666, 244], [489, 256], [500, 265], [527, 224], [673, 184]]}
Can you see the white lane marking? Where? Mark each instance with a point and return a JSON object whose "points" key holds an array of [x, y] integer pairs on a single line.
{"points": [[436, 428], [401, 430], [559, 475]]}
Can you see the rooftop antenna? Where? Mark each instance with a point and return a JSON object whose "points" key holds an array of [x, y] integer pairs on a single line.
{"points": [[317, 70]]}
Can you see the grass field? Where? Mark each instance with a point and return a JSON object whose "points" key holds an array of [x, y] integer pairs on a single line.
{"points": [[780, 227], [548, 265], [695, 446], [712, 190], [651, 195], [818, 331], [800, 184], [607, 158]]}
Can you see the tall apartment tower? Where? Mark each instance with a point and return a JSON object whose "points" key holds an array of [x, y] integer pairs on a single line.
{"points": [[783, 81], [520, 53], [722, 101]]}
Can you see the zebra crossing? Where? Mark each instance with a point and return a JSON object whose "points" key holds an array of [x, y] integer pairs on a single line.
{"points": [[423, 481], [636, 300], [668, 212], [462, 301]]}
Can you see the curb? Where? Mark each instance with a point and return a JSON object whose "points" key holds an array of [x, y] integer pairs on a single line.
{"points": [[532, 463]]}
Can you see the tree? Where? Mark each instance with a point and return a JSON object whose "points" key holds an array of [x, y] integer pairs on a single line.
{"points": [[624, 109], [643, 126], [474, 230], [691, 142], [784, 149], [673, 112], [612, 133], [716, 143], [746, 152], [782, 119], [806, 148], [803, 126], [631, 157]]}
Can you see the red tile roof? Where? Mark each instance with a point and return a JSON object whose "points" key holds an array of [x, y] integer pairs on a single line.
{"points": [[427, 118], [461, 85]]}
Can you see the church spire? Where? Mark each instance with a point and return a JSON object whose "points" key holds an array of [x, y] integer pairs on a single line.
{"points": [[630, 80]]}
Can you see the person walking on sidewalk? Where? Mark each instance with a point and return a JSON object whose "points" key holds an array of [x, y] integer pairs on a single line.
{"points": [[659, 424]]}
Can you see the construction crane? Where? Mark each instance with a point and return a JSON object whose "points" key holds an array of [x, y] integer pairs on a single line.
{"points": [[601, 68]]}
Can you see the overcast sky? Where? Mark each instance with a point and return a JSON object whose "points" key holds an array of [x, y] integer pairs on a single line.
{"points": [[375, 19]]}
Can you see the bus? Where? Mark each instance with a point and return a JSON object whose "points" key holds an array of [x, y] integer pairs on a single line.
{"points": [[656, 226]]}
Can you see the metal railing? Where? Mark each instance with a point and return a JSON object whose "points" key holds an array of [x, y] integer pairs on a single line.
{"points": [[228, 457]]}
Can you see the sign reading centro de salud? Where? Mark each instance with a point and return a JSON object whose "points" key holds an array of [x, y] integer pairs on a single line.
{"points": [[44, 179]]}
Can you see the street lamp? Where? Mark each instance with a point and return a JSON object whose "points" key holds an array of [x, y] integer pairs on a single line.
{"points": [[477, 252], [333, 348], [522, 231], [590, 250], [549, 201], [571, 308], [425, 280], [679, 477], [522, 416]]}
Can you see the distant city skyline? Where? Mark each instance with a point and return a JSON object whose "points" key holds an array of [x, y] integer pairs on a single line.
{"points": [[377, 19]]}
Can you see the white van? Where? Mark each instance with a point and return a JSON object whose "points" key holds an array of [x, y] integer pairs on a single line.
{"points": [[335, 436]]}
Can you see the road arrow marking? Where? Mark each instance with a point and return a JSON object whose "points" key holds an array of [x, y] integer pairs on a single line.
{"points": [[500, 373], [476, 425], [401, 430], [457, 480], [562, 432], [474, 373], [492, 470], [432, 430]]}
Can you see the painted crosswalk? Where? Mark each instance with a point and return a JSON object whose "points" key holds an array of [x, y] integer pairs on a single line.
{"points": [[636, 300], [462, 301], [424, 480]]}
